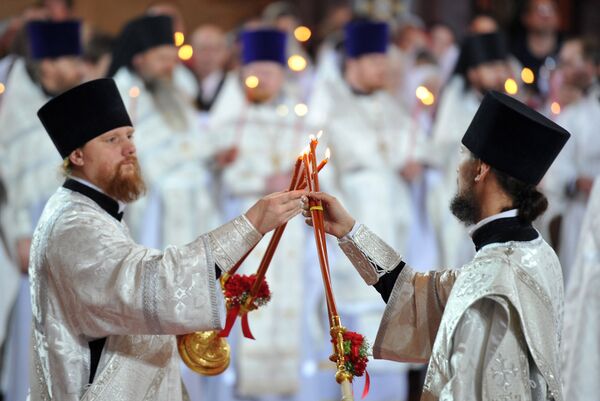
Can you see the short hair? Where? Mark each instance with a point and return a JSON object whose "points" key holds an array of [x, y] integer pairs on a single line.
{"points": [[66, 168]]}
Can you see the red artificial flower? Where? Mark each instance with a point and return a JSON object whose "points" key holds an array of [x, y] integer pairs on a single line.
{"points": [[237, 289]]}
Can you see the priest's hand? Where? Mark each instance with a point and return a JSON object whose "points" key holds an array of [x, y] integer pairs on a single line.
{"points": [[23, 246], [338, 221], [275, 209], [411, 171], [226, 157]]}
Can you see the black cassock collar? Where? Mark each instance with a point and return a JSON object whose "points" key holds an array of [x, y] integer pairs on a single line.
{"points": [[503, 230], [107, 203]]}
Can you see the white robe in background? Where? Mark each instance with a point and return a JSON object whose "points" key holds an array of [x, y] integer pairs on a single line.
{"points": [[490, 331], [29, 163], [30, 168], [456, 109], [90, 280], [581, 334], [179, 205], [371, 139], [580, 157], [269, 138]]}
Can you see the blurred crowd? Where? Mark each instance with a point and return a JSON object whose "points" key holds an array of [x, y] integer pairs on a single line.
{"points": [[220, 118]]}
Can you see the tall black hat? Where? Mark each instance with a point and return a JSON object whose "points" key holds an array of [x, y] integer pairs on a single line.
{"points": [[513, 138], [83, 113], [139, 35], [481, 48], [49, 39]]}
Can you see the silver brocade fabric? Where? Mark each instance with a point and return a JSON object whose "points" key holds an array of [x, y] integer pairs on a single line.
{"points": [[90, 280], [490, 331]]}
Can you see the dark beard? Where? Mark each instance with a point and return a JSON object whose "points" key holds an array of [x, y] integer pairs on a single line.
{"points": [[126, 188], [466, 207]]}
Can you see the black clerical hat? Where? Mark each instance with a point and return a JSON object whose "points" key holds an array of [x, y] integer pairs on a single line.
{"points": [[49, 39], [481, 48], [513, 138], [263, 45], [83, 113], [139, 35]]}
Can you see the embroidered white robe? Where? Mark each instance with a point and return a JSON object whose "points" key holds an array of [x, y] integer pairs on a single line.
{"points": [[90, 280], [490, 331], [580, 158], [581, 332]]}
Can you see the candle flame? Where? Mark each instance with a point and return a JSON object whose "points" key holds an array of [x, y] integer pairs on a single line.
{"points": [[297, 63], [555, 107], [179, 38], [510, 86], [302, 33], [311, 138], [327, 153], [185, 52], [305, 151], [527, 75], [319, 134], [134, 91], [252, 81]]}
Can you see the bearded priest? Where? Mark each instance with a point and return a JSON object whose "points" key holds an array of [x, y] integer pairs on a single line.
{"points": [[105, 309], [490, 330]]}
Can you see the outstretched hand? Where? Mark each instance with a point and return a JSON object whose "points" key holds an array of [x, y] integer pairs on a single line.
{"points": [[337, 221], [275, 209]]}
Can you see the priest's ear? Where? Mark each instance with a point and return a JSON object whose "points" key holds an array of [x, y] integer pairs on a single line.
{"points": [[76, 157], [481, 171]]}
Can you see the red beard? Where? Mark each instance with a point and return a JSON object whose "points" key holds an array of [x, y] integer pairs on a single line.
{"points": [[126, 186]]}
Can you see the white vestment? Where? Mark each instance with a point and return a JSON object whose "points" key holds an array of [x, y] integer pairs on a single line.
{"points": [[174, 163], [490, 331], [581, 334], [28, 159], [371, 139], [269, 138], [90, 280], [29, 166], [579, 158], [456, 109]]}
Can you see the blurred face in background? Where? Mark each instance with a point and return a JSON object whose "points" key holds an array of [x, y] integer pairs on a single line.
{"points": [[60, 74], [575, 69], [210, 50], [442, 39], [157, 63], [489, 76], [483, 24], [369, 72], [270, 75], [541, 16]]}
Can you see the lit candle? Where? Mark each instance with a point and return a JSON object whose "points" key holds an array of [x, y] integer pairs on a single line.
{"points": [[274, 242]]}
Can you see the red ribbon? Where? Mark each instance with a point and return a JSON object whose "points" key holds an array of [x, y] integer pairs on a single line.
{"points": [[246, 327], [367, 385], [231, 317]]}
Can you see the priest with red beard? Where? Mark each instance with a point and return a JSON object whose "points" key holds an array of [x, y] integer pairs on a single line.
{"points": [[105, 309]]}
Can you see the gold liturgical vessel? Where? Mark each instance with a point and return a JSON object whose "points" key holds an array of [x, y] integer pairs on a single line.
{"points": [[204, 352]]}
